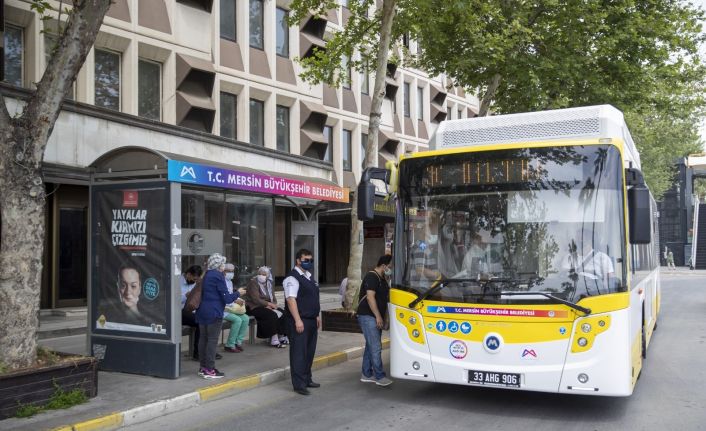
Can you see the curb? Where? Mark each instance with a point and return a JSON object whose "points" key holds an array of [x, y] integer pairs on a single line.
{"points": [[156, 409]]}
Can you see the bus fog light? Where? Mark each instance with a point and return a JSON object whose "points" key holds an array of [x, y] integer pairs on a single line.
{"points": [[582, 342], [583, 378], [416, 365], [601, 323], [412, 320], [415, 333], [586, 327]]}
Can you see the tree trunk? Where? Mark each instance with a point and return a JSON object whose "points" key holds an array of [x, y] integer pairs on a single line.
{"points": [[22, 192], [22, 202], [356, 246], [489, 96]]}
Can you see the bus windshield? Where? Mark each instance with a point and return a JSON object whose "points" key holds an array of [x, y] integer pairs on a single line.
{"points": [[495, 226]]}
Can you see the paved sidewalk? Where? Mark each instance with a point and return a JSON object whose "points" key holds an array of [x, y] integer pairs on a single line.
{"points": [[125, 399]]}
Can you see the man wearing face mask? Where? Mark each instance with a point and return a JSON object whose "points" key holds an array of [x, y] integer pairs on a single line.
{"points": [[235, 314], [372, 309], [302, 302]]}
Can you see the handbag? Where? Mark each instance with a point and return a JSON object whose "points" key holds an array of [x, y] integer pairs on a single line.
{"points": [[193, 298], [236, 308]]}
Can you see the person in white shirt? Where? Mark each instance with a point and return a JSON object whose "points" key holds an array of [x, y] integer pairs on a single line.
{"points": [[589, 262], [301, 293]]}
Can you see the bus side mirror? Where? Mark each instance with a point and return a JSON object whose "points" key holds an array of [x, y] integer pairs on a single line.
{"points": [[366, 191], [366, 200], [639, 212]]}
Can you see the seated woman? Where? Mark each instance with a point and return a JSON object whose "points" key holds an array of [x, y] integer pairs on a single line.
{"points": [[261, 303]]}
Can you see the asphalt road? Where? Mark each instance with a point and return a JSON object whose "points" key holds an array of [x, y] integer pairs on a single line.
{"points": [[670, 394]]}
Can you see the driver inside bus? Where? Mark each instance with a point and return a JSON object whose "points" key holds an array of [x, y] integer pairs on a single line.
{"points": [[587, 261], [426, 253]]}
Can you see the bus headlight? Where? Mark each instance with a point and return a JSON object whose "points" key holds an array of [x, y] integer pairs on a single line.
{"points": [[586, 327], [415, 333], [583, 378], [416, 365], [582, 342], [412, 320], [601, 323]]}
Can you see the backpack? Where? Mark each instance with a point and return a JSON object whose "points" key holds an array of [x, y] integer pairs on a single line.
{"points": [[193, 298]]}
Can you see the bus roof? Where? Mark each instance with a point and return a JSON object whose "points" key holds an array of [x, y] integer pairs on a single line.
{"points": [[601, 121]]}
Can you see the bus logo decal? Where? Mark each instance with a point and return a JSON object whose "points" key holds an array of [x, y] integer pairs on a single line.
{"points": [[453, 327], [458, 349], [492, 343], [466, 327], [440, 325], [529, 354]]}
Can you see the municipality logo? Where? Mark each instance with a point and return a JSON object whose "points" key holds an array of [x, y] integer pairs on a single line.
{"points": [[492, 343], [188, 170], [529, 354]]}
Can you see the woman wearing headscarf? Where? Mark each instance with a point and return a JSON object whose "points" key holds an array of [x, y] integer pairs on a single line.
{"points": [[209, 315], [262, 304]]}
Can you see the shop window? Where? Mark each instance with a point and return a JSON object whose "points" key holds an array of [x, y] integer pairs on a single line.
{"points": [[107, 87], [282, 33], [229, 115], [249, 236], [346, 149], [256, 24], [203, 226], [406, 100], [50, 41], [149, 84], [282, 128], [328, 134], [257, 122], [14, 55], [228, 25]]}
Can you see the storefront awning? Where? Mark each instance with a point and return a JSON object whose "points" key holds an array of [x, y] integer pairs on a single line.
{"points": [[140, 162]]}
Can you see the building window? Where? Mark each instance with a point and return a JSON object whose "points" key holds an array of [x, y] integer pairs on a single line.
{"points": [[149, 90], [420, 103], [256, 24], [365, 81], [228, 20], [363, 146], [328, 134], [405, 39], [257, 122], [50, 41], [14, 53], [406, 100], [346, 150], [346, 67], [229, 115], [282, 33], [448, 113], [282, 128], [460, 114], [107, 94]]}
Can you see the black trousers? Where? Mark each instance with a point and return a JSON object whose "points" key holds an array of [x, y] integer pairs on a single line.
{"points": [[302, 348], [189, 320], [268, 324]]}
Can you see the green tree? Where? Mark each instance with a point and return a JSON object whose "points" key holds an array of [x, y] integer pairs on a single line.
{"points": [[364, 40], [25, 133]]}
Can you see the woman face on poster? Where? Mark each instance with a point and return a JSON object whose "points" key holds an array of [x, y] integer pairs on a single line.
{"points": [[129, 287]]}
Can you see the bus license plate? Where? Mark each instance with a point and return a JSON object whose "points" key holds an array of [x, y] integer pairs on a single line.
{"points": [[491, 378]]}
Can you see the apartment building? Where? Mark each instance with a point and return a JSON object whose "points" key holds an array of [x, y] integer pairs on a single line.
{"points": [[213, 86]]}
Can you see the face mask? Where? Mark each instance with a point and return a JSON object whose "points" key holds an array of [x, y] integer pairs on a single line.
{"points": [[261, 279], [433, 239], [229, 275], [307, 264], [388, 272]]}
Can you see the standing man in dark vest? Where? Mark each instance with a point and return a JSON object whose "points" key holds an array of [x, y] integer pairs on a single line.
{"points": [[302, 303]]}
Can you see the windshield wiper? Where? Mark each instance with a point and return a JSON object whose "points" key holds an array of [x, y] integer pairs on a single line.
{"points": [[439, 284], [584, 310]]}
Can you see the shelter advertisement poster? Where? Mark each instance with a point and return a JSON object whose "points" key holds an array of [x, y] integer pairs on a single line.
{"points": [[131, 279]]}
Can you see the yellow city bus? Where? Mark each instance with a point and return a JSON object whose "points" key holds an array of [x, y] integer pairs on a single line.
{"points": [[525, 254]]}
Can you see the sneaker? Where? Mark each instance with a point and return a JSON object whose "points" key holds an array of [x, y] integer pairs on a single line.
{"points": [[284, 340], [366, 379], [212, 374], [232, 349], [201, 372], [239, 347], [383, 382]]}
